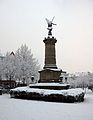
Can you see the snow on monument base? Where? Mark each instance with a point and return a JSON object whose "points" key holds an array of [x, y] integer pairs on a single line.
{"points": [[50, 86], [67, 96]]}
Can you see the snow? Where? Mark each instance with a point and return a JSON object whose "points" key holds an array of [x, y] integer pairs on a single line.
{"points": [[56, 69], [17, 109], [49, 84], [72, 92]]}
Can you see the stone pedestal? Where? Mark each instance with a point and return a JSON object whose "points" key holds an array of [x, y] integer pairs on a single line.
{"points": [[50, 53], [50, 75], [50, 72]]}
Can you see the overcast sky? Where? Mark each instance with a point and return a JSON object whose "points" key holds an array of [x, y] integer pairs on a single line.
{"points": [[23, 22]]}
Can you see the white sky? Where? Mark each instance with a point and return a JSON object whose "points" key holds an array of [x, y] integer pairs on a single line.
{"points": [[23, 22]]}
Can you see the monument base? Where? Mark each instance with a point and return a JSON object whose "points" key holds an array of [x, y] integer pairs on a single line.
{"points": [[49, 75]]}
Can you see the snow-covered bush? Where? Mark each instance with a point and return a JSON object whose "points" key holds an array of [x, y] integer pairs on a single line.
{"points": [[1, 69], [68, 96], [82, 80]]}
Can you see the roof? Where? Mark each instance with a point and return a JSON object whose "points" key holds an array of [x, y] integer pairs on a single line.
{"points": [[12, 53]]}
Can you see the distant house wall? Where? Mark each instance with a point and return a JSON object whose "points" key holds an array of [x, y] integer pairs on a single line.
{"points": [[7, 84]]}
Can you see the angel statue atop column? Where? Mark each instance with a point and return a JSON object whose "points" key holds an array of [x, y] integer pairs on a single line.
{"points": [[50, 23]]}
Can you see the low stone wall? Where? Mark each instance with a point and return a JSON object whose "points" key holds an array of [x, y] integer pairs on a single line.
{"points": [[53, 97]]}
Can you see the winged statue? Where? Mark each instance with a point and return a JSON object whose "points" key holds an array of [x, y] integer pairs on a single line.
{"points": [[50, 23]]}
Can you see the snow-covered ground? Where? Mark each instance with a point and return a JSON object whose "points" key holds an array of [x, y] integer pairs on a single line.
{"points": [[17, 109]]}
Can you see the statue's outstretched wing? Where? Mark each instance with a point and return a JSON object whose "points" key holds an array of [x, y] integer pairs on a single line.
{"points": [[52, 19], [47, 21]]}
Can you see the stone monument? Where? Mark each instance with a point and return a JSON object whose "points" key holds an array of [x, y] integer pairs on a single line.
{"points": [[47, 89], [50, 72]]}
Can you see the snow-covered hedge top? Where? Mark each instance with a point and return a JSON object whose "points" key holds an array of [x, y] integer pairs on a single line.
{"points": [[49, 84], [71, 92]]}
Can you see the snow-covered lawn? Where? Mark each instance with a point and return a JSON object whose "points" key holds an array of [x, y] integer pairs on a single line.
{"points": [[17, 109]]}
